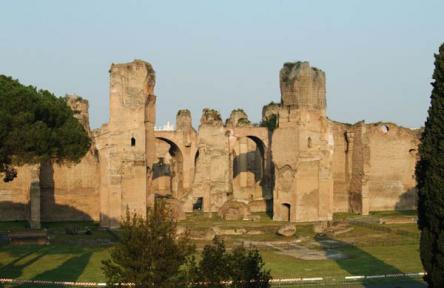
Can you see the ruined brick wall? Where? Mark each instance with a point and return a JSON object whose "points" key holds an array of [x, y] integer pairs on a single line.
{"points": [[14, 196], [374, 167], [310, 166], [212, 171], [212, 176], [391, 173], [70, 192]]}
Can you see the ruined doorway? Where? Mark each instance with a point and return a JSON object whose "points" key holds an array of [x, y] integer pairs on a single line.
{"points": [[198, 204], [286, 212], [167, 176]]}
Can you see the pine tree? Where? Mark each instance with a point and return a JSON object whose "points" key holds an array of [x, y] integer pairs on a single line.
{"points": [[36, 126], [430, 179]]}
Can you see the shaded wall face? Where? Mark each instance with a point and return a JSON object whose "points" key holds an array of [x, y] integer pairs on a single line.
{"points": [[14, 196], [161, 176], [167, 175], [342, 165], [248, 163], [68, 192]]}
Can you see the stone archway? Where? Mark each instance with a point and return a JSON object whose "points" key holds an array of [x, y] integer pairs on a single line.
{"points": [[251, 176], [247, 168], [167, 176]]}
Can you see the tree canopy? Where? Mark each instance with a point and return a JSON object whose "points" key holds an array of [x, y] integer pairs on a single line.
{"points": [[241, 268], [149, 253], [36, 126], [430, 179]]}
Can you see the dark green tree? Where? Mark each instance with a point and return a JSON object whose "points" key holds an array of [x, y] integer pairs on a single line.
{"points": [[247, 269], [150, 253], [430, 179], [242, 268], [36, 126], [213, 267]]}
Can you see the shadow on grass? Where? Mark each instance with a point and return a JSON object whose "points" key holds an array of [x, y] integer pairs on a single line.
{"points": [[31, 255], [70, 270], [15, 268], [358, 262]]}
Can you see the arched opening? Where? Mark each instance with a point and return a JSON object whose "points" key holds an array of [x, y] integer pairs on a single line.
{"points": [[250, 179], [167, 173], [133, 141], [286, 212]]}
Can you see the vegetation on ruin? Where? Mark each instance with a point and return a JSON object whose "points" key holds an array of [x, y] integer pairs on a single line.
{"points": [[183, 112], [36, 126], [243, 122], [240, 110], [270, 123], [430, 179]]}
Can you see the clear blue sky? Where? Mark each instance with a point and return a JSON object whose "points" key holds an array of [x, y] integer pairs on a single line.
{"points": [[378, 55]]}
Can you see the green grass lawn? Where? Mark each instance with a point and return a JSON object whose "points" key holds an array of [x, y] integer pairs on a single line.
{"points": [[78, 257]]}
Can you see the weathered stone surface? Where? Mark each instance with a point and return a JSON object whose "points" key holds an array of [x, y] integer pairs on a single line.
{"points": [[212, 174], [287, 230], [183, 120], [176, 208], [234, 210], [127, 145]]}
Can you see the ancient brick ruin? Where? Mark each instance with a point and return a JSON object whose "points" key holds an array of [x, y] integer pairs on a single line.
{"points": [[299, 166]]}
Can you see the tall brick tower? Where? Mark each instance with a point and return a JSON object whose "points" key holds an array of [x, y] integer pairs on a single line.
{"points": [[129, 142], [302, 147]]}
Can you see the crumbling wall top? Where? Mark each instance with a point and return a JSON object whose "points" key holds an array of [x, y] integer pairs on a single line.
{"points": [[238, 118], [211, 117], [136, 69], [183, 120], [80, 108], [302, 86]]}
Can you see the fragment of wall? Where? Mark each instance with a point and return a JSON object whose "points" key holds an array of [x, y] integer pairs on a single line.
{"points": [[391, 176], [342, 165], [212, 180]]}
